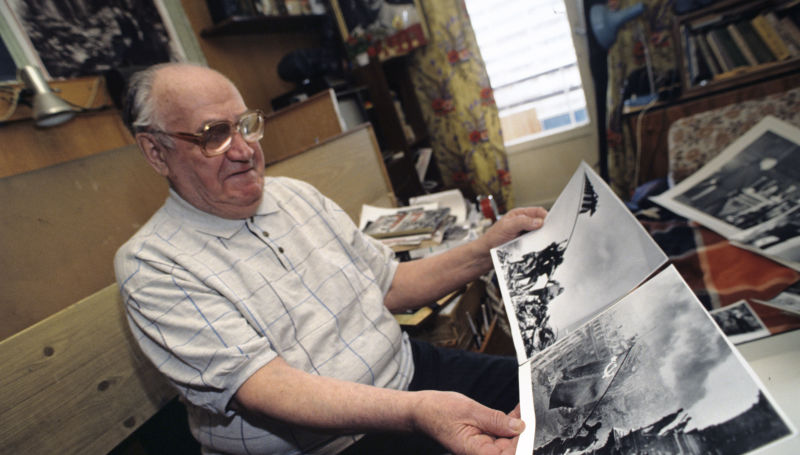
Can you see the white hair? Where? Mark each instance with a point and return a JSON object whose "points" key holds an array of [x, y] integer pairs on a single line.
{"points": [[139, 112]]}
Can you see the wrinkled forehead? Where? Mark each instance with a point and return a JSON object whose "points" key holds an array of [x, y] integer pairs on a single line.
{"points": [[188, 97]]}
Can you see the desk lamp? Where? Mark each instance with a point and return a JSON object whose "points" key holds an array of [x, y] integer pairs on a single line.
{"points": [[606, 23], [48, 108]]}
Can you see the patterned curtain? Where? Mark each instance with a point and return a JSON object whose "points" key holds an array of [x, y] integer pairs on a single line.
{"points": [[458, 105], [625, 57]]}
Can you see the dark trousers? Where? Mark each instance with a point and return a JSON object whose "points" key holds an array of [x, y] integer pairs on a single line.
{"points": [[489, 380]]}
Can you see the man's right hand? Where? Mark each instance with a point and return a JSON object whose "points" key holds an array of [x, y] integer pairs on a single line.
{"points": [[464, 426]]}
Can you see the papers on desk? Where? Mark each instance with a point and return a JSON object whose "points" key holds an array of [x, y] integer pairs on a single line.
{"points": [[371, 213], [788, 300], [456, 229], [452, 199], [408, 222]]}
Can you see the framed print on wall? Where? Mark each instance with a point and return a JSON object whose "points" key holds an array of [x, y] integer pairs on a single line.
{"points": [[382, 28], [8, 68], [74, 38]]}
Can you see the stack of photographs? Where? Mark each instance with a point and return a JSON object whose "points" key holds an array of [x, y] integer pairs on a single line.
{"points": [[616, 353], [749, 193]]}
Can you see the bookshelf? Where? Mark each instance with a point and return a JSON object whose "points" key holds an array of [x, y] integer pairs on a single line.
{"points": [[399, 123], [257, 24], [732, 43]]}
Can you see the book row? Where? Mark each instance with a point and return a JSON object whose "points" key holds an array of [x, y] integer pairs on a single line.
{"points": [[727, 45]]}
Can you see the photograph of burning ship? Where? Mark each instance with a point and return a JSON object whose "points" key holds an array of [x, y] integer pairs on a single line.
{"points": [[652, 374]]}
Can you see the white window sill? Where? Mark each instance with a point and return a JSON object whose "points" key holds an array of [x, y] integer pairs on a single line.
{"points": [[548, 138]]}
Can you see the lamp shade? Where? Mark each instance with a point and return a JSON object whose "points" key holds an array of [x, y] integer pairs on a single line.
{"points": [[605, 22], [48, 108]]}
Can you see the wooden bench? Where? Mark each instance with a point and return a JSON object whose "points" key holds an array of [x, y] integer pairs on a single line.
{"points": [[75, 381]]}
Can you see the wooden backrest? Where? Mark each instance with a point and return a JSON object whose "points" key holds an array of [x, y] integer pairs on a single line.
{"points": [[347, 168], [301, 125], [76, 382], [60, 227]]}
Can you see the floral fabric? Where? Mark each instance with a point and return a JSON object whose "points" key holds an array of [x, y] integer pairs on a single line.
{"points": [[458, 105], [704, 259], [626, 56], [696, 139]]}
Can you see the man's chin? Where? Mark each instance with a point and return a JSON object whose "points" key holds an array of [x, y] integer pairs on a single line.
{"points": [[249, 196], [245, 191], [238, 207]]}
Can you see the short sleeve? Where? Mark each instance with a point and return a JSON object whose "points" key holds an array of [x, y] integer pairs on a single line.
{"points": [[193, 335]]}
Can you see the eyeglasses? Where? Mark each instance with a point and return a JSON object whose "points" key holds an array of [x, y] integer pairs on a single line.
{"points": [[216, 137]]}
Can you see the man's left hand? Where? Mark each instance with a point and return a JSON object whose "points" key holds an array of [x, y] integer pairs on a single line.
{"points": [[514, 223]]}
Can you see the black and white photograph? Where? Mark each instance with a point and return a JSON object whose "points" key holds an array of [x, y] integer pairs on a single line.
{"points": [[590, 252], [8, 69], [73, 38], [652, 374], [754, 180], [739, 322], [788, 300], [778, 239]]}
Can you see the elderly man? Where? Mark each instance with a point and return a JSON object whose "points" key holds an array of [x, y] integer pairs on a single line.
{"points": [[270, 311]]}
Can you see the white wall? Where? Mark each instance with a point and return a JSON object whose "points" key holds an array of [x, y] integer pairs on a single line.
{"points": [[541, 169]]}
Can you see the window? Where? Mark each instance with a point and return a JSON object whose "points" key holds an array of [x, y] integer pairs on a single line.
{"points": [[530, 58]]}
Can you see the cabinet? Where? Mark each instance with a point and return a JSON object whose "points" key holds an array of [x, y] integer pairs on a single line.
{"points": [[386, 90], [466, 319], [396, 115], [725, 45]]}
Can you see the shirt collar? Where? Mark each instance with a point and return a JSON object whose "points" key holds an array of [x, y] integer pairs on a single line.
{"points": [[211, 224]]}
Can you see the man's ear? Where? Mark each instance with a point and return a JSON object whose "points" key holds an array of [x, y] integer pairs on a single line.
{"points": [[153, 152]]}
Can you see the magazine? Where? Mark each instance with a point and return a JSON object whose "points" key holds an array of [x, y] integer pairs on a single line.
{"points": [[407, 222], [749, 193], [614, 357]]}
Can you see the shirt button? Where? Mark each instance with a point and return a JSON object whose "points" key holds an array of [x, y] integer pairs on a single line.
{"points": [[265, 233], [280, 249]]}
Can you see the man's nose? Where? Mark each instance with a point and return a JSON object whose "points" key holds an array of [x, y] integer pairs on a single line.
{"points": [[240, 149]]}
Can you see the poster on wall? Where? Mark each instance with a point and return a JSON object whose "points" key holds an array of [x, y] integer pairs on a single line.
{"points": [[382, 28], [73, 38], [8, 69]]}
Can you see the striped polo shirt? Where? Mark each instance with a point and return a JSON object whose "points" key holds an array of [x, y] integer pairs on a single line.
{"points": [[212, 300]]}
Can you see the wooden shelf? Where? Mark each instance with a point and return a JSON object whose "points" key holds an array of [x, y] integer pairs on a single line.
{"points": [[721, 13], [388, 83], [243, 25], [654, 124], [383, 82], [743, 76]]}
